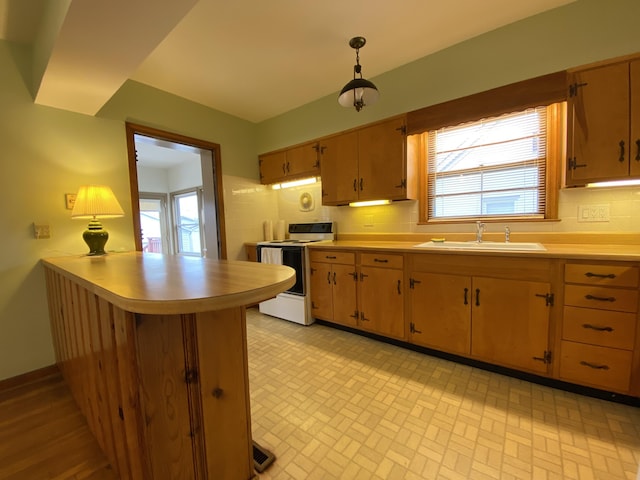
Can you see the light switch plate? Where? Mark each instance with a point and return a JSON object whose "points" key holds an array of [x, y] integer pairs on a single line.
{"points": [[70, 200], [41, 231]]}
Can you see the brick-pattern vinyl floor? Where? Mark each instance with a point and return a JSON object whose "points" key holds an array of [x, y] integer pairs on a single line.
{"points": [[334, 405]]}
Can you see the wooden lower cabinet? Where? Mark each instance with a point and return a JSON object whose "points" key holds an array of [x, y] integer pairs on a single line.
{"points": [[441, 312], [600, 327], [333, 287], [510, 323], [506, 311], [381, 298], [460, 305]]}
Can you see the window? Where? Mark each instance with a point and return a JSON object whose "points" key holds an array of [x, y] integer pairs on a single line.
{"points": [[186, 208], [497, 167]]}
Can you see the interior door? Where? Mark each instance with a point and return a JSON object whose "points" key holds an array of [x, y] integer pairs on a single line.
{"points": [[172, 146]]}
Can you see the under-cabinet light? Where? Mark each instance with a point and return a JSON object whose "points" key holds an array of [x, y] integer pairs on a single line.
{"points": [[295, 183], [615, 183], [370, 203]]}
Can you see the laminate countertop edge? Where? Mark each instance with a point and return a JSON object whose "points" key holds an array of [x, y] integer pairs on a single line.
{"points": [[170, 284], [622, 253]]}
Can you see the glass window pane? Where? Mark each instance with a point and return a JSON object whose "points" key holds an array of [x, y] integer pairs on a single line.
{"points": [[188, 223], [493, 167]]}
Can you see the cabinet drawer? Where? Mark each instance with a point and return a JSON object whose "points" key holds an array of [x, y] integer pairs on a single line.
{"points": [[381, 260], [601, 367], [330, 256], [599, 327], [606, 275], [618, 299]]}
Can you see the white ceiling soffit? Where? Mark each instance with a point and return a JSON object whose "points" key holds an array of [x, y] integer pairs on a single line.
{"points": [[99, 46]]}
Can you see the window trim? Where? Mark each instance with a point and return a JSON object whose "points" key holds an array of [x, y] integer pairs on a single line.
{"points": [[556, 151]]}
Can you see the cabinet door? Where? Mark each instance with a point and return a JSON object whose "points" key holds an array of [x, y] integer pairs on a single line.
{"points": [[635, 119], [598, 123], [273, 167], [510, 323], [339, 167], [441, 312], [321, 291], [381, 301], [382, 161], [303, 161], [345, 305]]}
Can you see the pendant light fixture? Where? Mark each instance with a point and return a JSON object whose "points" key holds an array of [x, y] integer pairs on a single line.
{"points": [[358, 92]]}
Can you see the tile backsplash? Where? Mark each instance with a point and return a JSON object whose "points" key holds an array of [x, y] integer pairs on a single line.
{"points": [[248, 204]]}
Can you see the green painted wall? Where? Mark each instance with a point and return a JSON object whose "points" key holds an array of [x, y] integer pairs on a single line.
{"points": [[47, 152], [579, 33]]}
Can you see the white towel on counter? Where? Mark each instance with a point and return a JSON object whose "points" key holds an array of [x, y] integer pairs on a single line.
{"points": [[271, 255]]}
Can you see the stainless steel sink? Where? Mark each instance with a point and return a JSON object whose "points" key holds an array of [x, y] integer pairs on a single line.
{"points": [[483, 246]]}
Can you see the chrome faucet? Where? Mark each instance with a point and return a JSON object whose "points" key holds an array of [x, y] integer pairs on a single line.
{"points": [[507, 234], [479, 231]]}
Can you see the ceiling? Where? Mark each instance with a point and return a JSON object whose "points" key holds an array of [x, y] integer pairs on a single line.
{"points": [[253, 59]]}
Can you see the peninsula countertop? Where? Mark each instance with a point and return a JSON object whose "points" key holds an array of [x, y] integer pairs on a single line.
{"points": [[171, 284]]}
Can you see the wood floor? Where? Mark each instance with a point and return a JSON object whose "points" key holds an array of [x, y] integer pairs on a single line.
{"points": [[44, 436]]}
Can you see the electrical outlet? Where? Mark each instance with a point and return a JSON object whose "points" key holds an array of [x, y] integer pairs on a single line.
{"points": [[593, 213], [368, 220], [41, 231]]}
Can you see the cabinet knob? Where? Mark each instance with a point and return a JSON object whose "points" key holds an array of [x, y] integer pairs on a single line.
{"points": [[217, 392]]}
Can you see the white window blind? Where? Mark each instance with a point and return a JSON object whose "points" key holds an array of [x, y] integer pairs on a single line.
{"points": [[494, 167]]}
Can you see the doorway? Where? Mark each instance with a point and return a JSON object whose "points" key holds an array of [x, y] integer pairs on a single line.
{"points": [[176, 193]]}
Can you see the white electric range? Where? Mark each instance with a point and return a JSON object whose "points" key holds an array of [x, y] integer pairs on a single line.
{"points": [[294, 304]]}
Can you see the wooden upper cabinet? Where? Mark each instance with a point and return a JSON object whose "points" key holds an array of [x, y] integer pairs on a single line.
{"points": [[604, 123], [303, 161], [339, 166], [294, 163], [634, 70], [382, 161], [273, 167], [370, 163]]}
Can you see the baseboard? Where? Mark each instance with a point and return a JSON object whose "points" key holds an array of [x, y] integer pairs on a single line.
{"points": [[28, 377]]}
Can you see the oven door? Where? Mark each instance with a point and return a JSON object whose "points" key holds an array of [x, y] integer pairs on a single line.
{"points": [[292, 256]]}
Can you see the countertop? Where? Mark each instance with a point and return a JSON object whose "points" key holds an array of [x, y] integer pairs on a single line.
{"points": [[171, 284], [625, 253]]}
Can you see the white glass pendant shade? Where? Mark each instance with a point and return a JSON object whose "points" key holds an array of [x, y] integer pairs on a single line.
{"points": [[358, 93]]}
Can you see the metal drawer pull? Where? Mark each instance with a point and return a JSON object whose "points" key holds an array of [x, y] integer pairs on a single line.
{"points": [[597, 328], [380, 260], [594, 366], [399, 291], [466, 292], [600, 299], [330, 257], [599, 275], [638, 145]]}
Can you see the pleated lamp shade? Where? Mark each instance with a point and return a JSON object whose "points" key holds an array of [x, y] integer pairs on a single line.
{"points": [[96, 201]]}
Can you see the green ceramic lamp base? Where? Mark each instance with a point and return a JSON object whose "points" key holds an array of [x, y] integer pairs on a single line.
{"points": [[95, 237]]}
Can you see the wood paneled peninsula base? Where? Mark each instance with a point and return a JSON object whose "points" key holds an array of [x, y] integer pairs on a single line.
{"points": [[154, 351]]}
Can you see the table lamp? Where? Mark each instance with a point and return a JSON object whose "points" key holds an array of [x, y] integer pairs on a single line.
{"points": [[96, 201]]}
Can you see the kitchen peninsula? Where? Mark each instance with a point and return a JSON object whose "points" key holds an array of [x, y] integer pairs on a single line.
{"points": [[154, 351]]}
